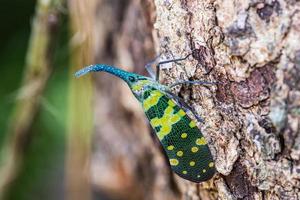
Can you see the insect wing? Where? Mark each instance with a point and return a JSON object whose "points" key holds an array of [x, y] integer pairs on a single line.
{"points": [[183, 143]]}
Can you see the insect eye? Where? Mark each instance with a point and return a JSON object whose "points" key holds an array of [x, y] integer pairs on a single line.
{"points": [[131, 78]]}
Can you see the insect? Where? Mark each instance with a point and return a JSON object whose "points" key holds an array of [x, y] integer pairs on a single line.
{"points": [[183, 143]]}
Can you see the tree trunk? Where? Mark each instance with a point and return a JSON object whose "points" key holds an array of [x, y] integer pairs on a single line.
{"points": [[252, 116]]}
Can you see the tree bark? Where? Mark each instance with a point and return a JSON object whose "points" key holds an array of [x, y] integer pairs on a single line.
{"points": [[252, 117]]}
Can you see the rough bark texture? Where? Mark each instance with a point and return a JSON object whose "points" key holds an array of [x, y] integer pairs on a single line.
{"points": [[252, 117]]}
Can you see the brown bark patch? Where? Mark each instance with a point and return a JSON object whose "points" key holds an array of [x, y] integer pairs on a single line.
{"points": [[255, 88], [239, 184], [223, 93], [265, 11], [205, 58]]}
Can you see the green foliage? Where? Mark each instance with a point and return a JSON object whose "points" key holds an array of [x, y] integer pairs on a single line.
{"points": [[41, 175]]}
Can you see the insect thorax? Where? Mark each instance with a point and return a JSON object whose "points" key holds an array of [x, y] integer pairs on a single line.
{"points": [[140, 87]]}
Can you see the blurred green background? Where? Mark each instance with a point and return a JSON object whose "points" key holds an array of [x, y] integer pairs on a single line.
{"points": [[41, 176]]}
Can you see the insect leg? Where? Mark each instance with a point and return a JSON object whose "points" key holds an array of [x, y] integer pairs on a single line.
{"points": [[168, 61], [194, 82], [155, 75]]}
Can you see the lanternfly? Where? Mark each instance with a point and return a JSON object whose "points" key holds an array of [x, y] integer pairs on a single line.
{"points": [[182, 141]]}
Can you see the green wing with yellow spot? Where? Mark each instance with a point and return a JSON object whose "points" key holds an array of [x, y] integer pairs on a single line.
{"points": [[183, 142]]}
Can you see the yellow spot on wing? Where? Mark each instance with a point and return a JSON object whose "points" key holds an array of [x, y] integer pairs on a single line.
{"points": [[164, 121], [174, 162], [181, 113], [156, 93], [192, 163], [192, 124], [194, 149], [179, 153], [137, 87], [204, 170], [184, 172], [171, 103], [183, 135], [201, 141], [160, 136], [171, 147], [211, 164], [165, 130], [174, 119], [155, 122], [169, 111], [146, 105], [152, 100]]}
